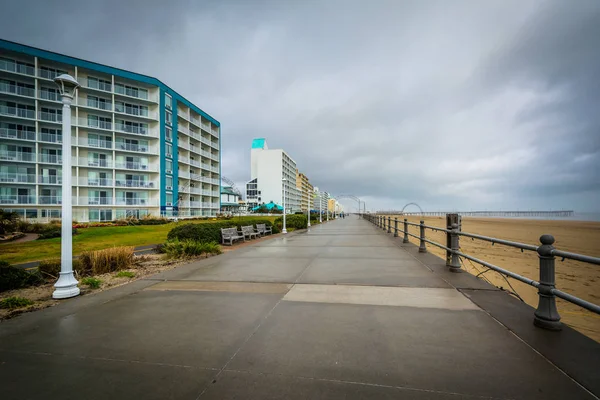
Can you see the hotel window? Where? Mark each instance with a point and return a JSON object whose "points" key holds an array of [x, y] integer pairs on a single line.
{"points": [[169, 118], [169, 150], [168, 102], [100, 84], [169, 166], [168, 134]]}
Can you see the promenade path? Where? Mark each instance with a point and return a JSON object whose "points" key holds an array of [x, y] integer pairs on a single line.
{"points": [[343, 311]]}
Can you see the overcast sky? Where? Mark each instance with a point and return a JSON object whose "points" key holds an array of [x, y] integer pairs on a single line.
{"points": [[455, 105]]}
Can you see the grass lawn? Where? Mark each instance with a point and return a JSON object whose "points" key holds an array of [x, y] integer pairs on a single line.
{"points": [[93, 239]]}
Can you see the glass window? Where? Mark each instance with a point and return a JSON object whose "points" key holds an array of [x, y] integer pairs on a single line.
{"points": [[168, 102], [169, 166], [169, 181], [169, 118], [168, 134], [169, 150]]}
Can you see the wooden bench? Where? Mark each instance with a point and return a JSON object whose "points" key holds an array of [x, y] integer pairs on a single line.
{"points": [[248, 231], [263, 229], [230, 234]]}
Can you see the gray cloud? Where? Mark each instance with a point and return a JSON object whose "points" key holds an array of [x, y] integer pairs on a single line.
{"points": [[459, 105]]}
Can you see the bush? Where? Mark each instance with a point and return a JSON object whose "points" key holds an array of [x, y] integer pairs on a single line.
{"points": [[190, 248], [293, 221], [8, 221], [107, 260], [150, 220], [125, 274], [53, 230], [16, 278], [93, 283], [15, 302], [51, 268], [211, 232]]}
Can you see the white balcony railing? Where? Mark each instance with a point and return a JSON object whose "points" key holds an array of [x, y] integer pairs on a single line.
{"points": [[183, 145], [95, 201], [183, 174], [11, 177], [50, 116], [138, 130], [7, 133], [52, 138], [51, 179], [94, 162], [138, 112], [48, 95], [183, 129], [196, 121], [17, 112], [134, 165], [15, 89], [15, 66], [93, 123], [96, 182], [133, 183], [15, 199], [50, 158], [136, 202], [140, 148], [17, 156], [183, 159], [95, 143], [49, 199], [94, 84], [93, 103]]}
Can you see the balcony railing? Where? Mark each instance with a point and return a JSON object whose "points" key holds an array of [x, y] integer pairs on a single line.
{"points": [[135, 183], [16, 199], [139, 112], [50, 158], [51, 138], [48, 116], [183, 145], [17, 112], [101, 105], [140, 148], [183, 174], [48, 95], [42, 73], [134, 165], [16, 134], [183, 129], [139, 130], [95, 200], [92, 123], [135, 202], [15, 89], [95, 162], [14, 66], [53, 179], [50, 200], [11, 177], [196, 121], [95, 182], [183, 159], [16, 156]]}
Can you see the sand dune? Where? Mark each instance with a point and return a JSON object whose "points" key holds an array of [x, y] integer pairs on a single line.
{"points": [[576, 278]]}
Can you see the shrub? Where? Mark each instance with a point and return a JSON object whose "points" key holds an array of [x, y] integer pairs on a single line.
{"points": [[150, 220], [93, 283], [211, 232], [107, 260], [293, 221], [15, 302], [51, 268], [8, 221], [125, 274], [53, 231], [190, 248], [16, 278]]}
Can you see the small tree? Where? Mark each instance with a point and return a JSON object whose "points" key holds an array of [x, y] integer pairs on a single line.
{"points": [[8, 221]]}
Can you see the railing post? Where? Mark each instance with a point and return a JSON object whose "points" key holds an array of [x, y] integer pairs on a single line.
{"points": [[405, 240], [455, 246], [422, 247], [546, 315], [395, 227], [389, 226]]}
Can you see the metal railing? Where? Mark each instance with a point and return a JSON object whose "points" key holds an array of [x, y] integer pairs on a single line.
{"points": [[16, 89], [546, 315], [9, 133]]}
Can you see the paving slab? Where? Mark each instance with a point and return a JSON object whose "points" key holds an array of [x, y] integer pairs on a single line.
{"points": [[367, 271], [201, 329], [258, 386], [283, 252], [365, 252], [430, 349], [252, 269], [44, 376], [235, 287]]}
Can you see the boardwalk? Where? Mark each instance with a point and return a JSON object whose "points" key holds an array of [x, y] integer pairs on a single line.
{"points": [[341, 312]]}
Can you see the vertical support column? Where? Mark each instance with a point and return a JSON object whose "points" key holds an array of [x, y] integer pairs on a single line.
{"points": [[422, 247], [389, 226], [455, 246], [405, 240], [546, 315], [395, 227]]}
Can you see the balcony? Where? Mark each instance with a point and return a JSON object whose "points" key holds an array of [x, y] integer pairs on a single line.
{"points": [[102, 182], [52, 138], [92, 123], [183, 203], [134, 93], [184, 174], [94, 162], [214, 132], [48, 95], [17, 156], [185, 189], [183, 114], [135, 202], [50, 200], [17, 112], [95, 201], [50, 158], [138, 130], [16, 199], [183, 129], [137, 112], [52, 179], [183, 145], [196, 204], [136, 184], [15, 89], [196, 121], [17, 67], [100, 105], [7, 133], [42, 73], [96, 85], [183, 159], [48, 116], [139, 148], [95, 143], [10, 177], [134, 165]]}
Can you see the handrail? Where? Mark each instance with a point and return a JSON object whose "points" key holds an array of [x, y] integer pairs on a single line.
{"points": [[546, 315]]}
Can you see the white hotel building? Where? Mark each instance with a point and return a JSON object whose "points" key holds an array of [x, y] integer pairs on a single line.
{"points": [[139, 148], [268, 169]]}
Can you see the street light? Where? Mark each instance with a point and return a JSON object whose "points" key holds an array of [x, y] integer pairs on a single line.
{"points": [[66, 286], [284, 230]]}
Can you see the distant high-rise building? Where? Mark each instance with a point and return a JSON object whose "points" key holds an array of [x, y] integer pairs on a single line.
{"points": [[306, 195], [139, 147], [272, 175]]}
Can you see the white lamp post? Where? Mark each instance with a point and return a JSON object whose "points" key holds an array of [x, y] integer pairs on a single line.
{"points": [[66, 286], [284, 230]]}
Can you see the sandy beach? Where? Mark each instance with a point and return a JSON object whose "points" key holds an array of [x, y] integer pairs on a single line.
{"points": [[576, 278]]}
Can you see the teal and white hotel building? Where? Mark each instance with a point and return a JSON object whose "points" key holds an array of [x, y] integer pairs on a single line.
{"points": [[139, 147]]}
